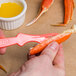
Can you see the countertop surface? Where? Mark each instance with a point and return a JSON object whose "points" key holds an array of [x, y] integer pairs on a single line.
{"points": [[16, 55]]}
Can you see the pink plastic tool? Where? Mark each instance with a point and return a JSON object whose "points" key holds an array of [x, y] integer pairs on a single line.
{"points": [[22, 39]]}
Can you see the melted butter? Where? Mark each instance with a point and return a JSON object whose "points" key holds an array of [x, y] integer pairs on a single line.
{"points": [[8, 10]]}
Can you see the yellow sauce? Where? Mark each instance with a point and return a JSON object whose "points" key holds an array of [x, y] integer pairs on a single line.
{"points": [[8, 10]]}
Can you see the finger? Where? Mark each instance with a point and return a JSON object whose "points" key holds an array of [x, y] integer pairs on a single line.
{"points": [[2, 50], [31, 56], [59, 59], [16, 73], [22, 69], [51, 50]]}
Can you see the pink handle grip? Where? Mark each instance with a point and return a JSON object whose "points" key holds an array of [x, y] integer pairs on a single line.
{"points": [[7, 42], [22, 39]]}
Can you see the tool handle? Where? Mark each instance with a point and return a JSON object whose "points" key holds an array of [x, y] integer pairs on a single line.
{"points": [[25, 38], [22, 39], [7, 42]]}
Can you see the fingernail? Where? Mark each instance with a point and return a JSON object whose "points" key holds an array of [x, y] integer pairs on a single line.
{"points": [[2, 51], [54, 46]]}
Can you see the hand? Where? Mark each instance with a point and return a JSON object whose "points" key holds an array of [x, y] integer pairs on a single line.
{"points": [[49, 63], [2, 50]]}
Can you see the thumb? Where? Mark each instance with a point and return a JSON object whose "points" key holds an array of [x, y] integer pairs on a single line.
{"points": [[51, 50], [2, 50]]}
